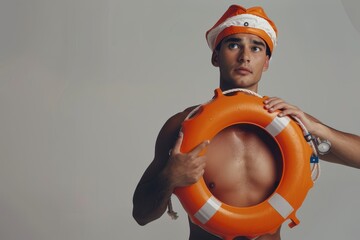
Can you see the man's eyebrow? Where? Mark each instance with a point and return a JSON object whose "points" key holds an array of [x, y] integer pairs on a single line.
{"points": [[259, 43], [234, 39]]}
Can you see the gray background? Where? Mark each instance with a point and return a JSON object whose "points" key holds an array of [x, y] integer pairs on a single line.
{"points": [[85, 86]]}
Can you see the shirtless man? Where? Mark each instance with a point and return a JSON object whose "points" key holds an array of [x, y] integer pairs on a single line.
{"points": [[241, 166]]}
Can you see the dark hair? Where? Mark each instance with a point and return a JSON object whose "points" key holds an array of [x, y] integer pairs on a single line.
{"points": [[268, 52]]}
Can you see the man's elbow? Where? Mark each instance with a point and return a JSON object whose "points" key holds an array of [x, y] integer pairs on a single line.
{"points": [[139, 218]]}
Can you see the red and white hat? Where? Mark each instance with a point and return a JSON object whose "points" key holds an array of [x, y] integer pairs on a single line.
{"points": [[241, 20]]}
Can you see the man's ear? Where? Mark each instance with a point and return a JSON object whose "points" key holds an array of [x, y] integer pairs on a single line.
{"points": [[267, 63], [215, 58]]}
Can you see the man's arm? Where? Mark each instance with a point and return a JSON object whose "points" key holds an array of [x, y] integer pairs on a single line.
{"points": [[166, 172], [345, 147]]}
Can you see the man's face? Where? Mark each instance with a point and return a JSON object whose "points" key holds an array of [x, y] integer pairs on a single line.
{"points": [[241, 60]]}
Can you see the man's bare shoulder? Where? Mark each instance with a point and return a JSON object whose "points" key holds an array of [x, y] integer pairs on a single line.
{"points": [[165, 142], [175, 121], [170, 131]]}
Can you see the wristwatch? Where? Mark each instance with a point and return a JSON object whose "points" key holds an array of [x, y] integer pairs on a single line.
{"points": [[324, 147]]}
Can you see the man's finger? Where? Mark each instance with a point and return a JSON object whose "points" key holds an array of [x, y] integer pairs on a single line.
{"points": [[199, 148]]}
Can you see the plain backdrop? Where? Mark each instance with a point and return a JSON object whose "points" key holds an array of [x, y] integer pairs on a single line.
{"points": [[85, 86]]}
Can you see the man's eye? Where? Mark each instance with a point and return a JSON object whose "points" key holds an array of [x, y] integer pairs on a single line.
{"points": [[233, 45], [256, 49]]}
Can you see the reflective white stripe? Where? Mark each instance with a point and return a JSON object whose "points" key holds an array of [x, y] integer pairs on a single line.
{"points": [[281, 205], [251, 21], [277, 125], [208, 210]]}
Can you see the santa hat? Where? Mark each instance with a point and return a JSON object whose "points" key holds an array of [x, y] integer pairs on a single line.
{"points": [[241, 20]]}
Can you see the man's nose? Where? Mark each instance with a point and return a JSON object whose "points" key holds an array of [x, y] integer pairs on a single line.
{"points": [[244, 55]]}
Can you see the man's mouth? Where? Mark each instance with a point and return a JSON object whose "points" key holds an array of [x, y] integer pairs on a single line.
{"points": [[243, 70]]}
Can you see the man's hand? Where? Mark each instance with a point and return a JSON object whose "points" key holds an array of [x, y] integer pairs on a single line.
{"points": [[273, 104], [184, 169], [345, 147]]}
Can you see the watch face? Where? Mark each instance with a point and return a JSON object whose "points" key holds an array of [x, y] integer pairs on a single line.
{"points": [[324, 147]]}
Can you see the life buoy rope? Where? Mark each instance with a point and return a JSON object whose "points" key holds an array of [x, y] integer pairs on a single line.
{"points": [[228, 221]]}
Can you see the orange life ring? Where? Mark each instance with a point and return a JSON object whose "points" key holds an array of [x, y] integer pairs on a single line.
{"points": [[228, 221]]}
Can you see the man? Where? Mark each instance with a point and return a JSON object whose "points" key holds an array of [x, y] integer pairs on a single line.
{"points": [[242, 42]]}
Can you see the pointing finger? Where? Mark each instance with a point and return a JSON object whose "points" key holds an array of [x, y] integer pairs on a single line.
{"points": [[199, 148]]}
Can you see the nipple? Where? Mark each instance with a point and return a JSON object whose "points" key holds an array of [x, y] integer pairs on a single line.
{"points": [[211, 185]]}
